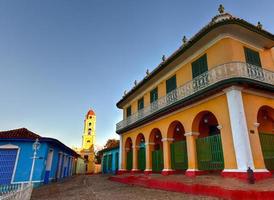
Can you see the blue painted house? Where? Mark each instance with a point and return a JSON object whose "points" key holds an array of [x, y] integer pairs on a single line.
{"points": [[55, 160], [110, 160]]}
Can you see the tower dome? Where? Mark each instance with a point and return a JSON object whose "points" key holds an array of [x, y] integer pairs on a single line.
{"points": [[90, 113]]}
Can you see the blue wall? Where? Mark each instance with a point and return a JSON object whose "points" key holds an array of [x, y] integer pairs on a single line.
{"points": [[105, 162], [23, 167]]}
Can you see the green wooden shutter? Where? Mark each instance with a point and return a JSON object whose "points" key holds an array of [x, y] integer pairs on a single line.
{"points": [[171, 84], [252, 57], [199, 66], [141, 103], [154, 95], [128, 111]]}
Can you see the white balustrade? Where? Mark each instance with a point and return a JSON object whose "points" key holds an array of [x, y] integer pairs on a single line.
{"points": [[213, 76]]}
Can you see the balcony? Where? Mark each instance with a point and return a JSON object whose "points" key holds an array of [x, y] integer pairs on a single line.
{"points": [[205, 80]]}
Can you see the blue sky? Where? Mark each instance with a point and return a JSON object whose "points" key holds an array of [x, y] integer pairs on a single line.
{"points": [[58, 58]]}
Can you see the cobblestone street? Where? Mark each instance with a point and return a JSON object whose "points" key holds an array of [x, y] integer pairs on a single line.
{"points": [[98, 187]]}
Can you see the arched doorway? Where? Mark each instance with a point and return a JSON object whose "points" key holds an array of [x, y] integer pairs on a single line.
{"points": [[129, 154], [265, 118], [178, 148], [157, 150], [208, 144], [141, 153]]}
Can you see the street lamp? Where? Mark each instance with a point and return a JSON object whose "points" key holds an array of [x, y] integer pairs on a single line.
{"points": [[35, 147]]}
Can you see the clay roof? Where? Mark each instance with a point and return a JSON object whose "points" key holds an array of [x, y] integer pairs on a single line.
{"points": [[21, 133], [90, 113]]}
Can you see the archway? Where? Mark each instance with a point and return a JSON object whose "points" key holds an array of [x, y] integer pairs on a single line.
{"points": [[129, 153], [208, 144], [265, 118], [178, 150], [141, 153], [157, 150]]}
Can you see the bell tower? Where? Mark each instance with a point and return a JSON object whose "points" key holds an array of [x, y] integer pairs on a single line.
{"points": [[88, 138]]}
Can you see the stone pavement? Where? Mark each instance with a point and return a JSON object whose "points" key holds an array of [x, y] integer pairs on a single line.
{"points": [[98, 187]]}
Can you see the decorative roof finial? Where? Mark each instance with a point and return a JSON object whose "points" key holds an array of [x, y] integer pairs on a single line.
{"points": [[184, 39], [135, 82], [221, 9], [147, 72], [259, 25], [163, 58]]}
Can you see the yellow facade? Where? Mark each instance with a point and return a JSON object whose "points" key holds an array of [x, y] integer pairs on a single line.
{"points": [[89, 134], [217, 110], [88, 142]]}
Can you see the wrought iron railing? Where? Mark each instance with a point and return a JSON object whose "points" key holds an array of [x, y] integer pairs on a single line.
{"points": [[16, 191], [215, 75]]}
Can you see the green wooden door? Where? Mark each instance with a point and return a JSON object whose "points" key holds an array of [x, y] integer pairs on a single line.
{"points": [[267, 144], [171, 84], [129, 160], [142, 158], [210, 153], [252, 57], [179, 155], [199, 67], [157, 161]]}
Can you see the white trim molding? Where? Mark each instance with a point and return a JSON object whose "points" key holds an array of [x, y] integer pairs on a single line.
{"points": [[256, 124], [192, 170], [9, 146], [167, 139], [149, 143], [241, 170], [12, 146], [148, 170], [168, 170], [239, 128], [192, 134], [120, 152]]}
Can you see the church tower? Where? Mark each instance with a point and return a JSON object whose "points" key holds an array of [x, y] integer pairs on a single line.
{"points": [[88, 138]]}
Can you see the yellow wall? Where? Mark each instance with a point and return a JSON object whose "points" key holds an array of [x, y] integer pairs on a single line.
{"points": [[252, 104], [223, 51], [86, 136], [217, 105]]}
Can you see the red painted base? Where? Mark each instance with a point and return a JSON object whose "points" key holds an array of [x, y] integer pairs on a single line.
{"points": [[120, 172], [147, 172], [166, 173], [195, 173], [135, 172], [243, 175], [198, 189]]}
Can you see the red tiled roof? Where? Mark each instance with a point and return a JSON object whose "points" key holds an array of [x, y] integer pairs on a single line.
{"points": [[90, 112], [22, 133]]}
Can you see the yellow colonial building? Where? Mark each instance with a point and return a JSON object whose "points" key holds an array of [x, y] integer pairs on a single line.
{"points": [[209, 107], [88, 141]]}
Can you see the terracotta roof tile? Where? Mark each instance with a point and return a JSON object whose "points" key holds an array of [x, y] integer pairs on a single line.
{"points": [[21, 133]]}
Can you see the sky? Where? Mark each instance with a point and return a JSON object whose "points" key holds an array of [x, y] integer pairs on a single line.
{"points": [[58, 58]]}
